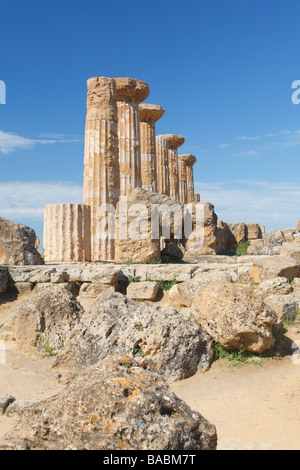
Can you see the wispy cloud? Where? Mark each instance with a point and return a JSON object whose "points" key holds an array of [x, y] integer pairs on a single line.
{"points": [[10, 141], [223, 146], [26, 199], [274, 204]]}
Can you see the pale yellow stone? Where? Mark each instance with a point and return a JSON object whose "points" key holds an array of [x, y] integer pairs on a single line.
{"points": [[67, 233]]}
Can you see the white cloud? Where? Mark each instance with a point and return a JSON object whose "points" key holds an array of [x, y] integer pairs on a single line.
{"points": [[26, 199], [223, 146], [274, 204], [10, 141]]}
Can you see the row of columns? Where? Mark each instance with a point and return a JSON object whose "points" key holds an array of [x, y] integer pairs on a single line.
{"points": [[121, 153]]}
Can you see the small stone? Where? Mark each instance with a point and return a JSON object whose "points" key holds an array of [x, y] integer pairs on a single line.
{"points": [[5, 401]]}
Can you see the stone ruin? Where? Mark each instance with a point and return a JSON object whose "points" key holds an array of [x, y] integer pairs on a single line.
{"points": [[123, 157]]}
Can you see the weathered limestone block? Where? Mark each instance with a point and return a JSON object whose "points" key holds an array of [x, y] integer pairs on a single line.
{"points": [[174, 142], [285, 306], [253, 231], [135, 242], [276, 286], [183, 293], [235, 315], [17, 244], [149, 115], [101, 184], [189, 160], [46, 318], [292, 250], [92, 291], [163, 172], [5, 401], [122, 407], [205, 237], [67, 233], [146, 290], [130, 92], [157, 336], [275, 266], [196, 197], [239, 231]]}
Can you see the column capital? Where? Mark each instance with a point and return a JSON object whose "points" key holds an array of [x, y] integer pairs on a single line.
{"points": [[131, 88], [188, 159], [174, 141], [150, 112]]}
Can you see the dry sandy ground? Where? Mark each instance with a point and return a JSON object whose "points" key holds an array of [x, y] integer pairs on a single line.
{"points": [[252, 406]]}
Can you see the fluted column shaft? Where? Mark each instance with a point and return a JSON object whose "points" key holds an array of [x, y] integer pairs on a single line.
{"points": [[101, 163], [189, 160], [182, 176], [149, 114], [67, 233], [190, 184], [130, 92], [174, 142], [129, 147], [163, 172]]}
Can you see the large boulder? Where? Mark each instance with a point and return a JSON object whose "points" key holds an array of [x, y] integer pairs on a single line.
{"points": [[183, 293], [235, 315], [239, 232], [46, 319], [17, 244], [206, 237], [275, 266], [157, 336], [114, 405], [292, 250]]}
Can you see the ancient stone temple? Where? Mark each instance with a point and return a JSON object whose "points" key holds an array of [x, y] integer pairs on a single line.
{"points": [[121, 153]]}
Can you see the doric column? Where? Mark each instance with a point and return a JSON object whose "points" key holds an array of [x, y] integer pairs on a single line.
{"points": [[149, 114], [174, 142], [101, 163], [130, 93], [67, 233], [163, 172], [189, 160], [196, 197], [182, 176]]}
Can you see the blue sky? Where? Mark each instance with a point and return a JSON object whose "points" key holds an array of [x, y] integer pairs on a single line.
{"points": [[222, 69]]}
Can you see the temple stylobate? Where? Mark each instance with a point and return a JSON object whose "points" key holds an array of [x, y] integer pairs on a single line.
{"points": [[121, 153]]}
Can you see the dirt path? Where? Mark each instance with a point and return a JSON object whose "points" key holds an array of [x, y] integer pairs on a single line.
{"points": [[252, 406]]}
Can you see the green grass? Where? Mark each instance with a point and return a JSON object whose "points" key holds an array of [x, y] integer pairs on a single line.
{"points": [[242, 248], [132, 279], [236, 357], [43, 344]]}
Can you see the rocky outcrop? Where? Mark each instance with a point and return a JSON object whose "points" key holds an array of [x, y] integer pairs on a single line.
{"points": [[17, 244], [235, 315], [46, 319], [159, 337], [114, 405]]}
